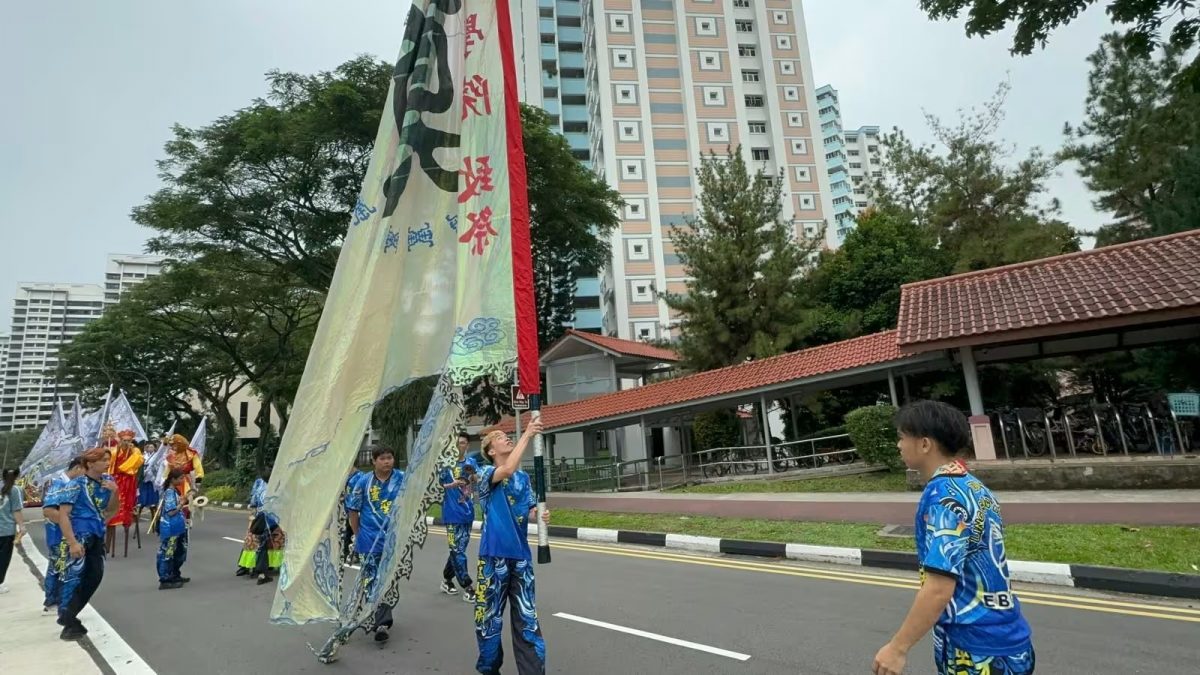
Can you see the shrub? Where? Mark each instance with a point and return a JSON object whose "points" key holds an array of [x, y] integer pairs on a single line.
{"points": [[221, 477], [221, 493], [871, 430], [718, 429]]}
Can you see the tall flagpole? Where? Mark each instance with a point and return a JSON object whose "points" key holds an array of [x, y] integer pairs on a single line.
{"points": [[539, 481]]}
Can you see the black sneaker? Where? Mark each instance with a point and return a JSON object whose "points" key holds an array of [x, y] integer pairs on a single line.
{"points": [[73, 633], [242, 571], [183, 580], [264, 579], [382, 636], [169, 585]]}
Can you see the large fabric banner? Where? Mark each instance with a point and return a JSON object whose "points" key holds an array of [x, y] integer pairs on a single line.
{"points": [[54, 431], [122, 417], [423, 286]]}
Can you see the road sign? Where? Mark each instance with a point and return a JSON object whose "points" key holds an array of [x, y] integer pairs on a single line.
{"points": [[520, 400]]}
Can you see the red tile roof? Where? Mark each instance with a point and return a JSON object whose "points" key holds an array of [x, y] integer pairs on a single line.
{"points": [[1100, 288], [838, 356], [626, 347]]}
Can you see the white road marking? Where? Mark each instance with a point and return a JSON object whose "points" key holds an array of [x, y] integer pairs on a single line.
{"points": [[655, 636], [107, 641]]}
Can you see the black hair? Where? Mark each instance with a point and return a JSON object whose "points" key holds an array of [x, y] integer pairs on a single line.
{"points": [[940, 422], [463, 434], [175, 473], [378, 451], [10, 479]]}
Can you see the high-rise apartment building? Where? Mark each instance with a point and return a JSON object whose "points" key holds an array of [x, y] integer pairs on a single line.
{"points": [[45, 317], [124, 271], [852, 158], [3, 358], [642, 89]]}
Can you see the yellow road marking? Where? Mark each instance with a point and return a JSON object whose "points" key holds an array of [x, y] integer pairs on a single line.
{"points": [[1029, 597]]}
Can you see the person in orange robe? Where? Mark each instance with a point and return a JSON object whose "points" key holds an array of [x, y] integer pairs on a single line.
{"points": [[123, 467], [185, 458]]}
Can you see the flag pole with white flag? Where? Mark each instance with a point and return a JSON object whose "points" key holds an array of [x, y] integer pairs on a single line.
{"points": [[434, 278]]}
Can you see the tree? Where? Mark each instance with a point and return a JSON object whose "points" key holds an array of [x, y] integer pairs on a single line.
{"points": [[862, 279], [15, 446], [982, 211], [573, 212], [745, 296], [275, 181], [1136, 146], [1035, 19]]}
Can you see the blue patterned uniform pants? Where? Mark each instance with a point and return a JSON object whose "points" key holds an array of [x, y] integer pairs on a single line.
{"points": [[369, 577], [504, 581], [55, 568], [80, 579], [458, 536], [953, 661], [172, 553]]}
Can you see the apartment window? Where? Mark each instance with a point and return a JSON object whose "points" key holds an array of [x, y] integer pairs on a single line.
{"points": [[627, 94], [872, 148], [622, 58], [548, 38], [758, 127], [861, 205], [877, 174], [637, 249], [645, 332], [791, 93], [799, 146], [780, 18], [714, 96], [852, 153], [717, 132], [783, 41], [750, 76], [706, 26], [744, 26], [635, 209], [787, 67], [754, 101], [741, 3], [807, 203], [642, 292], [618, 23], [855, 165], [802, 174], [795, 119], [860, 191], [243, 414], [747, 50], [629, 131], [710, 60], [631, 169], [760, 154]]}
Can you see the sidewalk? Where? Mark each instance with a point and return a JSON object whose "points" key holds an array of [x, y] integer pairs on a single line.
{"points": [[1133, 507], [29, 641]]}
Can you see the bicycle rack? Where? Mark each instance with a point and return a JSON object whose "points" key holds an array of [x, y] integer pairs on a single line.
{"points": [[1049, 434], [1100, 433], [1066, 418], [1004, 434], [1153, 430], [1121, 431], [1021, 431]]}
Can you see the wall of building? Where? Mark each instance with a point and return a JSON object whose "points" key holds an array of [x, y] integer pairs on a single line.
{"points": [[852, 161]]}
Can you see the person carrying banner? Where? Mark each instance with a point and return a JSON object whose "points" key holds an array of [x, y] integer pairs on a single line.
{"points": [[56, 546], [368, 508], [458, 514], [505, 561], [172, 534], [126, 461], [184, 458], [85, 504], [262, 548], [147, 497]]}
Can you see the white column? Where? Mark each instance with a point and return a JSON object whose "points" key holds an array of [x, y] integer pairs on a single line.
{"points": [[892, 388], [766, 429], [971, 376]]}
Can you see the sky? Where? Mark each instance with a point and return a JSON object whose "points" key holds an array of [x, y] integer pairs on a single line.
{"points": [[92, 90]]}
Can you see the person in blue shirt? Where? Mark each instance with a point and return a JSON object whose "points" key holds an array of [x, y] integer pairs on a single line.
{"points": [[348, 555], [505, 563], [172, 534], [369, 507], [458, 514], [56, 547], [262, 548], [965, 597], [84, 506]]}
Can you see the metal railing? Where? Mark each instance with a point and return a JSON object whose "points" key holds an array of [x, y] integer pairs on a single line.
{"points": [[807, 453]]}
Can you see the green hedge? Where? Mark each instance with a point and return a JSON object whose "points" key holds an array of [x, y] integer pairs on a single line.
{"points": [[222, 493], [718, 429], [871, 430]]}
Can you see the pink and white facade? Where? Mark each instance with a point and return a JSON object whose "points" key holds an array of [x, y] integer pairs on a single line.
{"points": [[667, 82]]}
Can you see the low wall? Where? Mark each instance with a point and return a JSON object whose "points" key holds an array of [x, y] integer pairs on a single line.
{"points": [[1099, 473]]}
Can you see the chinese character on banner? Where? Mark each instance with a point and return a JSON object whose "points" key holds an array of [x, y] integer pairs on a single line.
{"points": [[480, 230], [475, 91], [421, 235], [452, 221], [478, 179], [362, 212], [391, 241], [473, 32]]}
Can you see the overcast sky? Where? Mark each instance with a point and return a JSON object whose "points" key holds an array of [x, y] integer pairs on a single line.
{"points": [[91, 90]]}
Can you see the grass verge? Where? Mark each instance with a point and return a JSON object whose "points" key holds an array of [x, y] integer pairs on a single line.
{"points": [[879, 481], [1170, 549]]}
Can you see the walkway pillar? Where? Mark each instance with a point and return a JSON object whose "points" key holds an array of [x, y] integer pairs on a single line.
{"points": [[766, 431], [892, 389], [981, 426]]}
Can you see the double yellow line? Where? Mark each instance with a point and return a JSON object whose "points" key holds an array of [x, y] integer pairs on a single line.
{"points": [[1080, 602]]}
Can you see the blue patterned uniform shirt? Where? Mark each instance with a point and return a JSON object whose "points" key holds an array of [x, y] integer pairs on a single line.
{"points": [[506, 505]]}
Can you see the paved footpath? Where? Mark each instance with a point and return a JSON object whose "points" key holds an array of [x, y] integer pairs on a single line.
{"points": [[1133, 507], [606, 608]]}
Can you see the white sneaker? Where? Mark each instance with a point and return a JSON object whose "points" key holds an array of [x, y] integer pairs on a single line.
{"points": [[3, 590], [448, 588], [468, 595]]}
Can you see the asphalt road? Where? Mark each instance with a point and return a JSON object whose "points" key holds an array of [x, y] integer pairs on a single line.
{"points": [[786, 618]]}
